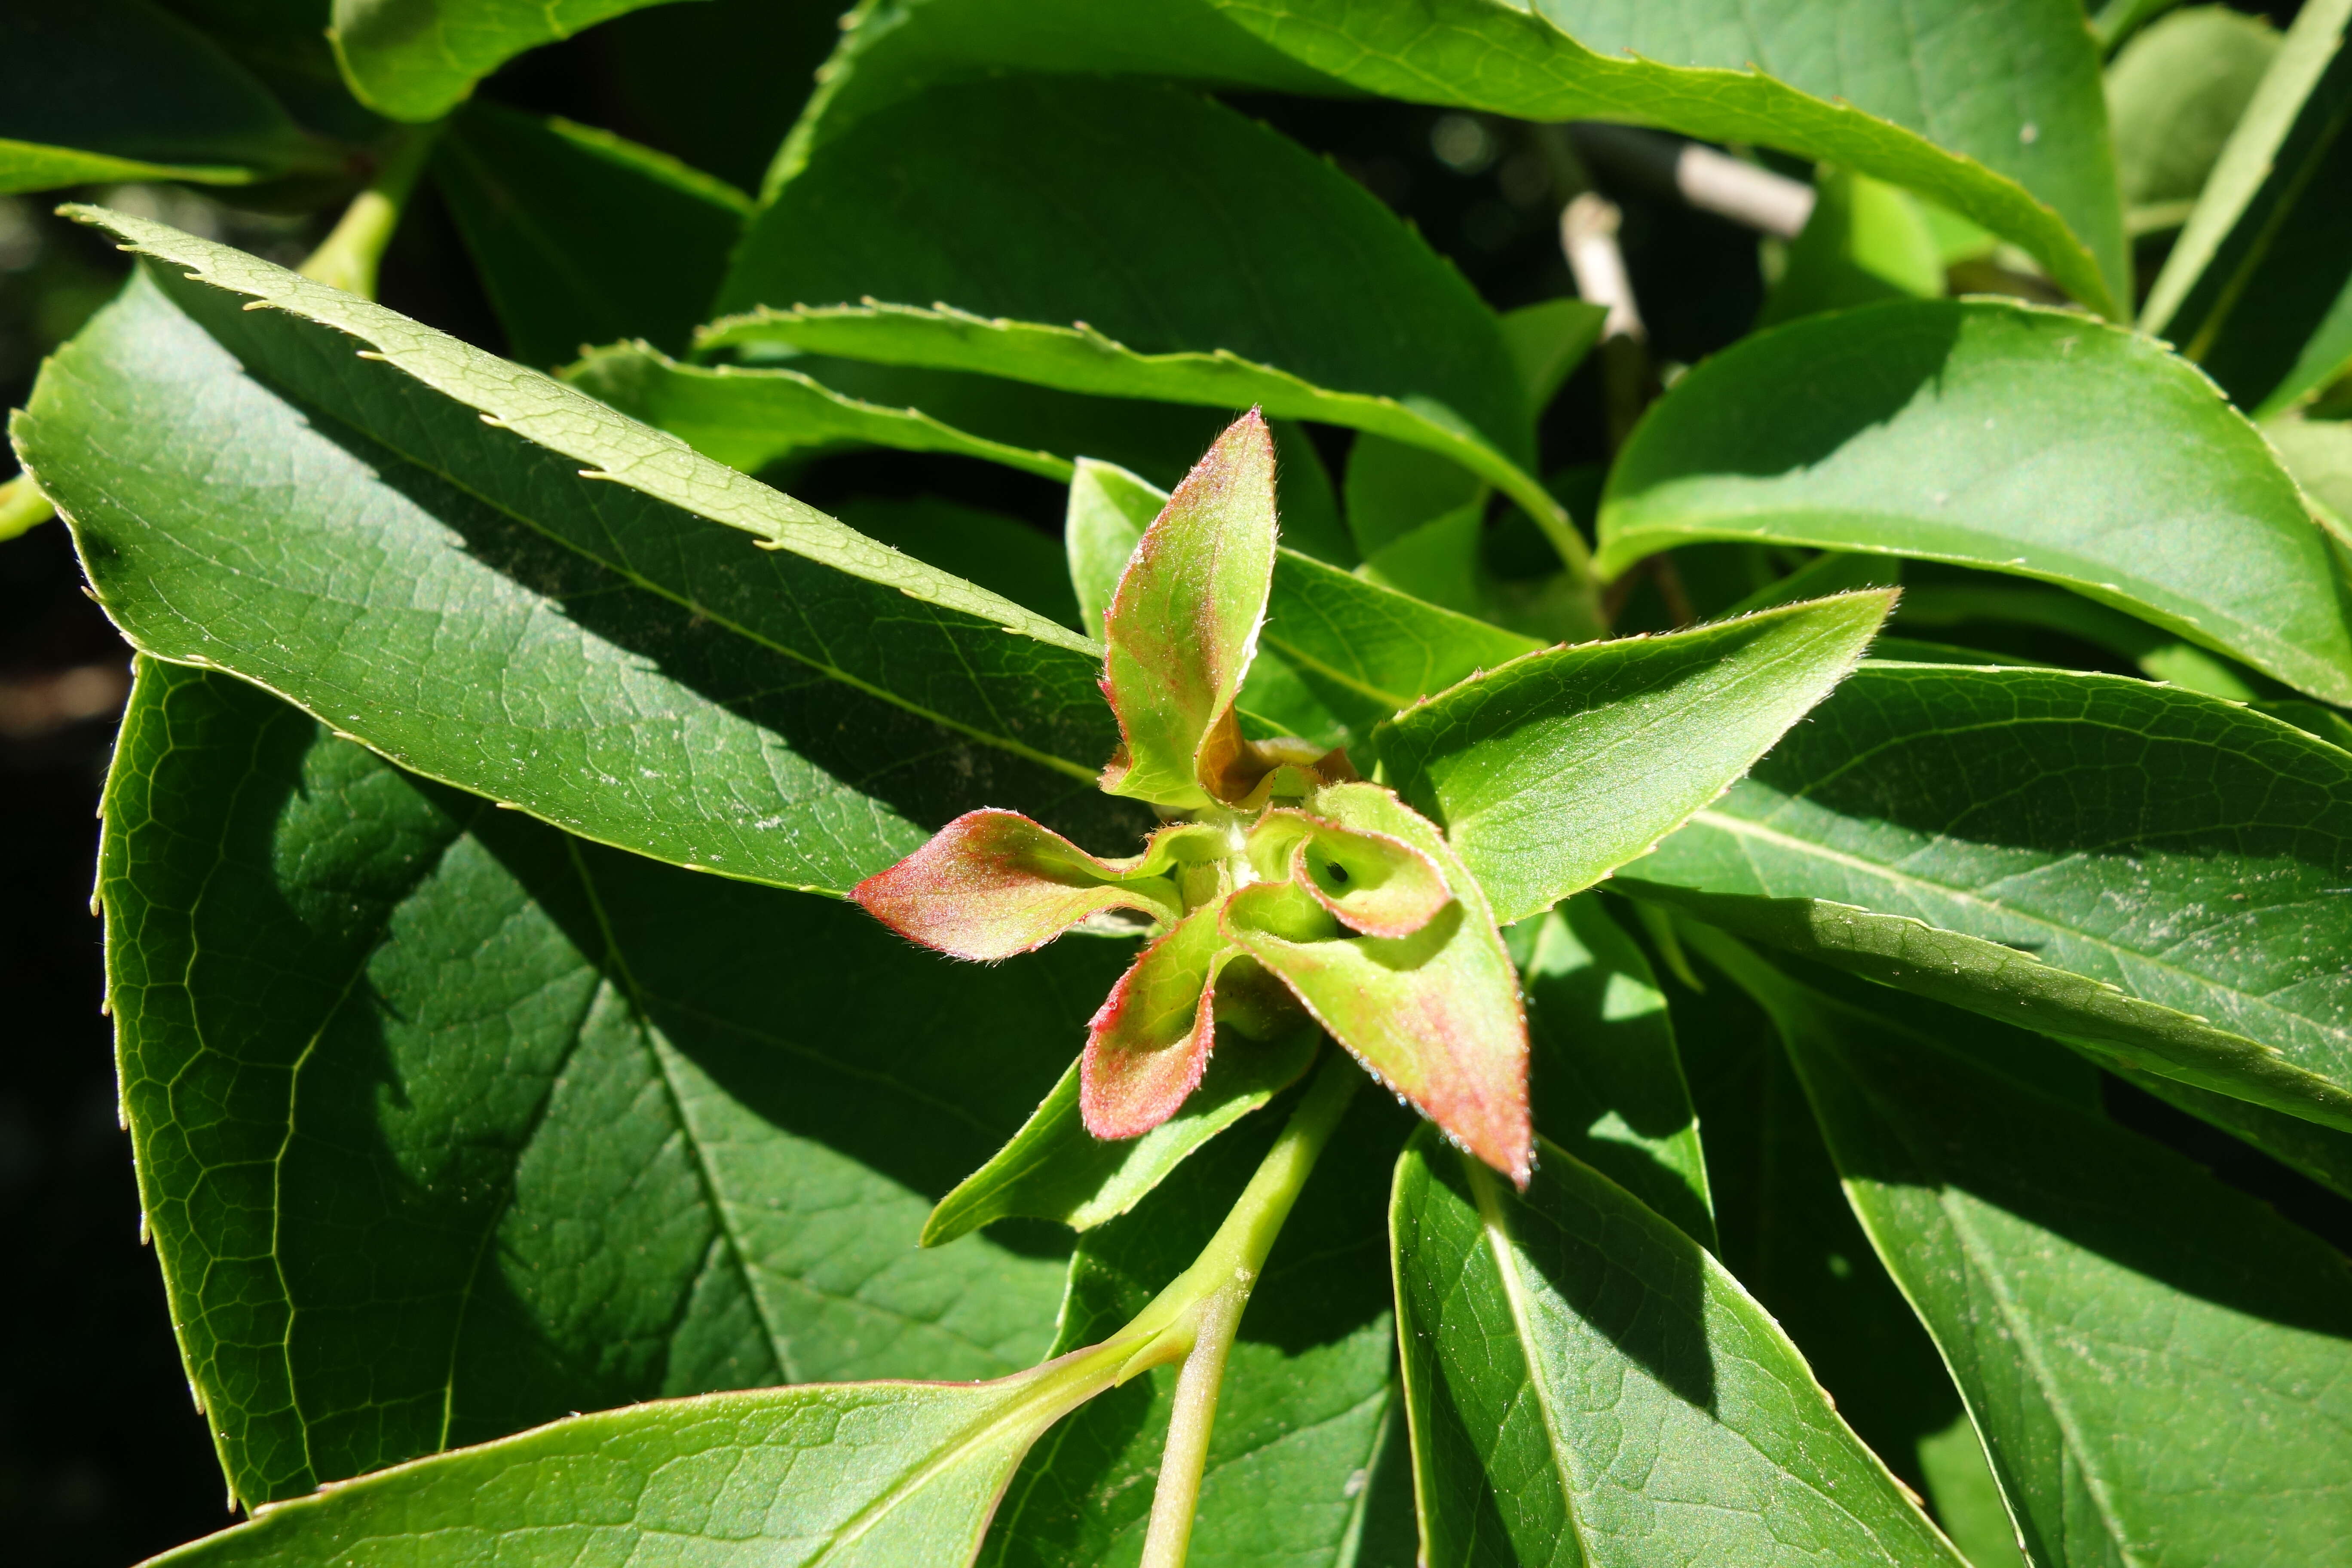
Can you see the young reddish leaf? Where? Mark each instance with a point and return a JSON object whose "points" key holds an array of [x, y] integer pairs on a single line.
{"points": [[1377, 884], [1184, 624], [1148, 1047], [993, 883], [1435, 1015]]}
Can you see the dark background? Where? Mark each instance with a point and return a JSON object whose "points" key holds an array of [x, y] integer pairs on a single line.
{"points": [[103, 1459]]}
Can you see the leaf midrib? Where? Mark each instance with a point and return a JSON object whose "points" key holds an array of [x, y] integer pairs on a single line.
{"points": [[1745, 828]]}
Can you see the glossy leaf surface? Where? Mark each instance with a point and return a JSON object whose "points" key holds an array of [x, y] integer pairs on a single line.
{"points": [[2176, 846], [1587, 1384], [581, 237], [1055, 1169], [872, 1475], [120, 89], [1434, 1015], [1553, 771], [653, 1134], [2000, 436], [418, 59], [1630, 65], [756, 712], [1605, 1080], [2044, 1250]]}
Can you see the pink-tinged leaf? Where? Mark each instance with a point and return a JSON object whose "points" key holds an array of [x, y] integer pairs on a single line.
{"points": [[991, 884], [1435, 1015], [1184, 624], [1148, 1046], [1375, 882]]}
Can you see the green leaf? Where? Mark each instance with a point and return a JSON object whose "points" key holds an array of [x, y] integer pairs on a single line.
{"points": [[871, 1474], [2322, 1153], [1433, 1015], [999, 554], [1111, 239], [1790, 1239], [1553, 771], [2182, 849], [1367, 651], [447, 1125], [2318, 453], [2264, 261], [99, 90], [1584, 1378], [1183, 623], [1548, 340], [1968, 604], [2003, 437], [1999, 114], [1392, 489], [1307, 1413], [1604, 1079], [418, 59], [2174, 94], [1055, 1169], [2107, 1024], [609, 653], [1109, 510], [2090, 1288], [581, 237], [1865, 241]]}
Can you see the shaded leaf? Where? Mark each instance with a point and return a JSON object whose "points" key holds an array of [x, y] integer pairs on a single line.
{"points": [[1548, 340], [1109, 510], [608, 652], [999, 554], [1055, 1169], [581, 237], [418, 59], [1373, 883], [2178, 849], [1026, 233], [2015, 107], [1551, 771], [1587, 1384], [2003, 437], [1864, 242], [2174, 94], [447, 1125], [120, 89], [1605, 1081], [2263, 261], [1434, 1015], [2088, 1288], [1149, 1043]]}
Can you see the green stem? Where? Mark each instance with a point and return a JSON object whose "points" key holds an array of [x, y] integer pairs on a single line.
{"points": [[1197, 1316], [348, 258]]}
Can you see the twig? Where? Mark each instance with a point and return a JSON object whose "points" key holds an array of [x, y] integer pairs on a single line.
{"points": [[1706, 179]]}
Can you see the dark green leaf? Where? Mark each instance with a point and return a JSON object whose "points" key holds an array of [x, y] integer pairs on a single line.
{"points": [[581, 237], [418, 59], [119, 89], [1587, 1384], [1548, 340], [1001, 553], [1604, 1079], [2003, 102], [2003, 437], [1115, 239], [1556, 769], [1969, 607], [2318, 453], [2091, 1292], [2266, 257], [1307, 1409], [608, 652], [1392, 489], [2000, 980], [1053, 1169], [2174, 94], [448, 1124], [2179, 848]]}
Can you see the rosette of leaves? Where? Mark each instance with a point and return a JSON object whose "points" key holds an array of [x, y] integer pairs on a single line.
{"points": [[1284, 884]]}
